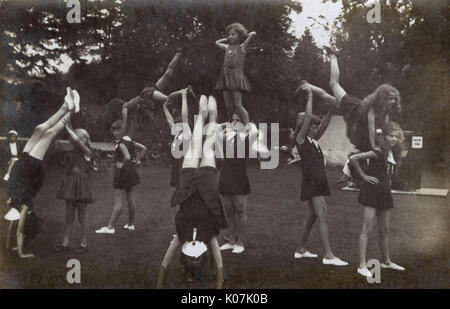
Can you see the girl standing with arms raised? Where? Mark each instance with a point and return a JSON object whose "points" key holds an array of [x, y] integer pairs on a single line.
{"points": [[375, 194], [314, 184], [232, 80]]}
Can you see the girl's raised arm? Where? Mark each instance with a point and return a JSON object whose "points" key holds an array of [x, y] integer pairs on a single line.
{"points": [[300, 138], [87, 151], [184, 107], [220, 43], [354, 160], [325, 122], [371, 128], [169, 117], [247, 41]]}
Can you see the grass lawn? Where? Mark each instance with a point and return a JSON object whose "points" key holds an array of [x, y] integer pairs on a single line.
{"points": [[419, 239]]}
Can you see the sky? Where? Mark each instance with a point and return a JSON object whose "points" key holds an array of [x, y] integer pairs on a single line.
{"points": [[315, 8], [311, 8]]}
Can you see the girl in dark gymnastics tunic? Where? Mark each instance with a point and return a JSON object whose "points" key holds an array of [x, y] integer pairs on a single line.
{"points": [[125, 178], [27, 175], [314, 183], [234, 185], [375, 194]]}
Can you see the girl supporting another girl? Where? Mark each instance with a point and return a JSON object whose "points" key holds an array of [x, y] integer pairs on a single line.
{"points": [[375, 194], [75, 189], [27, 175], [314, 184]]}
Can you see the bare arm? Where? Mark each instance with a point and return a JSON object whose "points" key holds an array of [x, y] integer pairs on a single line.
{"points": [[220, 43], [354, 160], [324, 124], [305, 127], [76, 139], [250, 37], [184, 107], [371, 123], [126, 155], [142, 151], [169, 118]]}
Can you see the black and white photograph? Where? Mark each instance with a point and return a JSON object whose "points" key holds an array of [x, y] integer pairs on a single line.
{"points": [[243, 145]]}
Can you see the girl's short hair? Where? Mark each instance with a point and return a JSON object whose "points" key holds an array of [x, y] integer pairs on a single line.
{"points": [[240, 29], [116, 124], [84, 134], [379, 97], [387, 129]]}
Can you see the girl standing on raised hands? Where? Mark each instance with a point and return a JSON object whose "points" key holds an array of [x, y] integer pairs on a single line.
{"points": [[27, 175], [314, 184], [75, 189], [232, 80], [375, 194]]}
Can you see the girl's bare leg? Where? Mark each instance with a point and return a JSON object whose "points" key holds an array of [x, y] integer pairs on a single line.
{"points": [[336, 88], [43, 127], [81, 208], [383, 232], [8, 235], [131, 205], [227, 201], [193, 153], [208, 158], [70, 218], [40, 148], [320, 208], [229, 104], [20, 233], [306, 229], [328, 98], [218, 259], [237, 97], [174, 244], [164, 81], [240, 206], [117, 209], [369, 215]]}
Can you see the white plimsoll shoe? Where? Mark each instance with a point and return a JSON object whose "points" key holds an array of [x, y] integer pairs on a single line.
{"points": [[305, 254], [129, 227], [105, 230], [69, 99], [12, 215], [364, 272], [227, 246], [334, 261], [76, 101], [392, 266], [6, 178], [238, 249]]}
